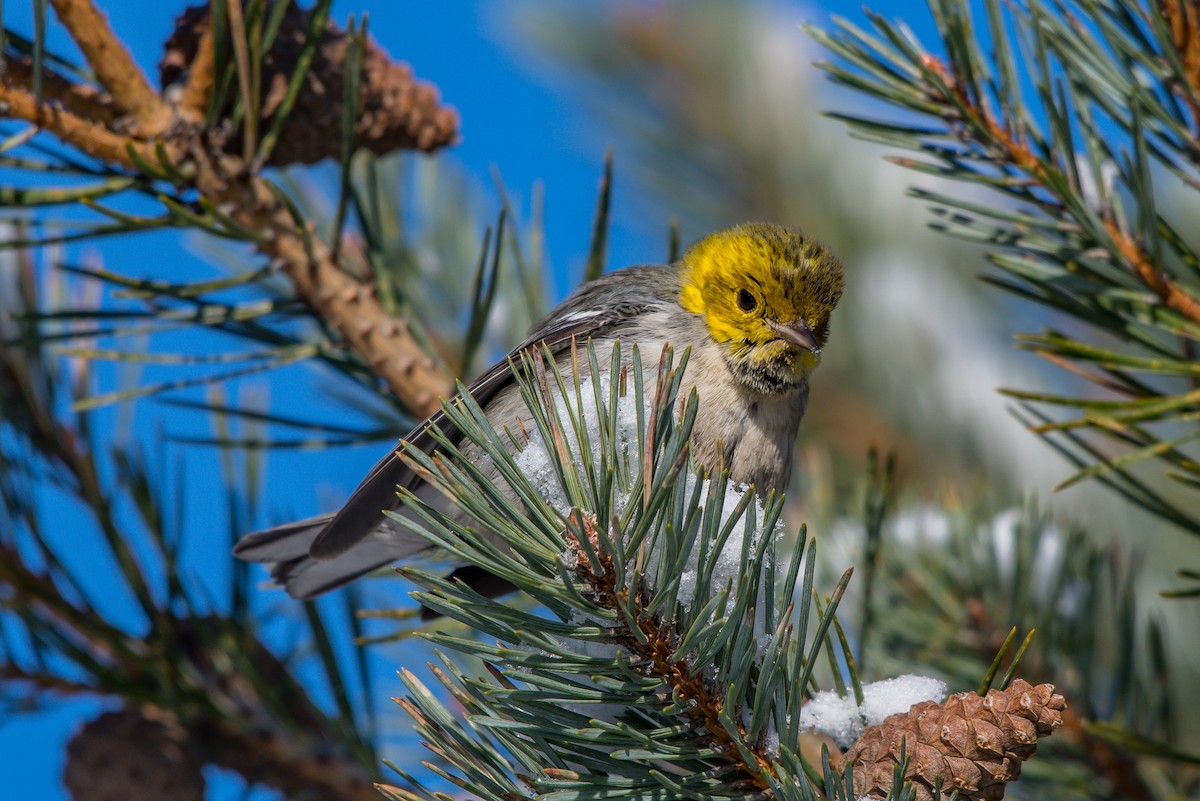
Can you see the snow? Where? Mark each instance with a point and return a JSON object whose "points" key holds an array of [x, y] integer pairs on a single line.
{"points": [[729, 561], [536, 463], [923, 525], [1006, 533], [535, 460], [843, 719]]}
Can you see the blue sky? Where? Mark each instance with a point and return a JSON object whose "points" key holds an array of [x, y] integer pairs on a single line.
{"points": [[523, 124]]}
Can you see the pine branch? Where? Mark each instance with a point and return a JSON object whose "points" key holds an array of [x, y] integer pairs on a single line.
{"points": [[279, 759], [1184, 21], [90, 137], [254, 208], [352, 308], [87, 102], [201, 78], [650, 639], [969, 116], [1073, 166], [231, 700], [108, 56], [682, 636]]}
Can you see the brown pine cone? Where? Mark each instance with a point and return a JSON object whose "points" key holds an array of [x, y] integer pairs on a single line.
{"points": [[395, 110], [974, 744], [139, 752]]}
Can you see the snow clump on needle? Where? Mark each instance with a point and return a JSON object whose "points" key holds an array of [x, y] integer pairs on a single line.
{"points": [[537, 464]]}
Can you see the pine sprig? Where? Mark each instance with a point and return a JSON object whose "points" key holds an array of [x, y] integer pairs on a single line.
{"points": [[185, 649], [184, 161], [682, 635], [974, 581], [1071, 123]]}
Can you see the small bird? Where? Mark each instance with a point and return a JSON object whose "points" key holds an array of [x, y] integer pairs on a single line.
{"points": [[752, 302]]}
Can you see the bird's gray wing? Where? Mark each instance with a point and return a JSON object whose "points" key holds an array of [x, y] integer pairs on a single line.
{"points": [[628, 293]]}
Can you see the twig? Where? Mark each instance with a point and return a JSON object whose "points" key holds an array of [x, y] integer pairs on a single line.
{"points": [[284, 761], [659, 650], [1184, 21], [108, 57], [84, 101], [201, 75], [1150, 275], [90, 137], [350, 306]]}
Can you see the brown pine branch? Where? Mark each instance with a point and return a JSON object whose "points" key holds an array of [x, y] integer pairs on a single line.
{"points": [[1184, 21], [239, 726], [80, 99], [109, 59], [1139, 262], [277, 758], [201, 76], [657, 647], [295, 751], [349, 306], [86, 135], [980, 122]]}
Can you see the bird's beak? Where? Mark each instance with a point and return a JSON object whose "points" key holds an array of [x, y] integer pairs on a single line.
{"points": [[799, 334]]}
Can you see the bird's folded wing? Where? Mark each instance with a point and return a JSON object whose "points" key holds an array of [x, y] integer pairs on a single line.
{"points": [[362, 513]]}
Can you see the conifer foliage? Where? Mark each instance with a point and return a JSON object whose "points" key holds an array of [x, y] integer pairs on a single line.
{"points": [[673, 633], [1081, 120]]}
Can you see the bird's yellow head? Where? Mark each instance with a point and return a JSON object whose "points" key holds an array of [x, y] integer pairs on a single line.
{"points": [[766, 292]]}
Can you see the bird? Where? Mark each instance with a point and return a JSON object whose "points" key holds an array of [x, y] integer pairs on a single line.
{"points": [[752, 302]]}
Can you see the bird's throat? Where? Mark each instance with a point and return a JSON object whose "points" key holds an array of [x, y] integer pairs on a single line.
{"points": [[768, 371]]}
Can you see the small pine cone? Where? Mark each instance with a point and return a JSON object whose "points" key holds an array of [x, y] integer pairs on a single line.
{"points": [[139, 752], [395, 110], [974, 744]]}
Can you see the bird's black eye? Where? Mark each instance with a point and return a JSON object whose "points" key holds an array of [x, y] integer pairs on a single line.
{"points": [[746, 302]]}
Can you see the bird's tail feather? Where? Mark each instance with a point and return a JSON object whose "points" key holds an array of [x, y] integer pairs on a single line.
{"points": [[304, 577], [281, 543]]}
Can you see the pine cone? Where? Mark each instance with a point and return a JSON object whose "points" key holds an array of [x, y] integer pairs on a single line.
{"points": [[974, 744], [139, 752], [395, 110]]}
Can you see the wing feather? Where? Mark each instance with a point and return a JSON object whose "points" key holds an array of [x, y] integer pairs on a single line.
{"points": [[629, 292]]}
